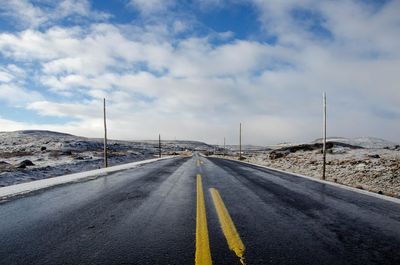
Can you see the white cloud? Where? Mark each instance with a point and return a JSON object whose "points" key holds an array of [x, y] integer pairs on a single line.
{"points": [[17, 96], [16, 70], [105, 46], [10, 125], [23, 11], [81, 8], [31, 14], [91, 128], [35, 45], [179, 26], [5, 77], [147, 7], [75, 110], [67, 65], [194, 88]]}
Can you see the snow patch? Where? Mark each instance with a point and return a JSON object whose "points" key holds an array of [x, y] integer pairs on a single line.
{"points": [[24, 188]]}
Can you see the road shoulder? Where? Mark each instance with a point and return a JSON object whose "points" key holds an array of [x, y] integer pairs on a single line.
{"points": [[24, 188], [376, 195]]}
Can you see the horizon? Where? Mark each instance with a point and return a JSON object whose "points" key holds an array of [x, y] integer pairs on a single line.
{"points": [[212, 144], [196, 69]]}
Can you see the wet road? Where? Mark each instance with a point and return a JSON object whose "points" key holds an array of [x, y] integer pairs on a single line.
{"points": [[178, 210]]}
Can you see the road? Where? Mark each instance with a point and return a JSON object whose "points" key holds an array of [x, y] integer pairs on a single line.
{"points": [[199, 210]]}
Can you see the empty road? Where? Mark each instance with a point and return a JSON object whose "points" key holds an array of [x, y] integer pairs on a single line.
{"points": [[199, 210]]}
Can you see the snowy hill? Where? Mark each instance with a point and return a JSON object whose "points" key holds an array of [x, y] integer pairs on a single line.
{"points": [[366, 142], [34, 154]]}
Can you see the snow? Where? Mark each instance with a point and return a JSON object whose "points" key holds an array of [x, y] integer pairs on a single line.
{"points": [[56, 154], [365, 142], [387, 198], [352, 167], [19, 189], [373, 166]]}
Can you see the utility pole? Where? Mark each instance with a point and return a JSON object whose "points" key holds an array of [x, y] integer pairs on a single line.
{"points": [[175, 146], [159, 145], [224, 147], [324, 137], [105, 134], [240, 141]]}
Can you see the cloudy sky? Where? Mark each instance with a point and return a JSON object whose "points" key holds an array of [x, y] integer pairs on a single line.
{"points": [[195, 69]]}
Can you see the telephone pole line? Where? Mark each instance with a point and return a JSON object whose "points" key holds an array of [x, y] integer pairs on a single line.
{"points": [[240, 141], [159, 145], [224, 148], [324, 138], [105, 134], [175, 146]]}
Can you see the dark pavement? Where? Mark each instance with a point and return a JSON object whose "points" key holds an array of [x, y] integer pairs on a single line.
{"points": [[147, 215]]}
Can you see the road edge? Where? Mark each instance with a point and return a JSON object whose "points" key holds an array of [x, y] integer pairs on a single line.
{"points": [[365, 192], [27, 187]]}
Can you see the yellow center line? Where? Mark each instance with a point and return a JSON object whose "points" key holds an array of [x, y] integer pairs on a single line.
{"points": [[203, 254], [227, 225], [198, 163]]}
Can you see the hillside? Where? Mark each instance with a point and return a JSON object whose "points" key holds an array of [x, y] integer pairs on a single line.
{"points": [[54, 153], [366, 163], [365, 142]]}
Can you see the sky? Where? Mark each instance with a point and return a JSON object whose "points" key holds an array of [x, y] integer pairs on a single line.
{"points": [[195, 69]]}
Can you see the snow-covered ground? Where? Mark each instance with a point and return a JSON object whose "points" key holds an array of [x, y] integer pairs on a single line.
{"points": [[365, 142], [54, 154], [375, 168]]}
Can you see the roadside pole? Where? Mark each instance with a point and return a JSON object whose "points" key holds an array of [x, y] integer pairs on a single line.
{"points": [[324, 138], [224, 148], [175, 146], [105, 134], [159, 145], [240, 141]]}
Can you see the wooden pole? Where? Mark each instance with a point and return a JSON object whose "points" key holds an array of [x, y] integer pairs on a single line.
{"points": [[105, 134], [224, 147], [324, 138], [159, 145], [240, 141]]}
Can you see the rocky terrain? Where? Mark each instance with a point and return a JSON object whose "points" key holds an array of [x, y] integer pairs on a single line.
{"points": [[365, 163], [31, 155]]}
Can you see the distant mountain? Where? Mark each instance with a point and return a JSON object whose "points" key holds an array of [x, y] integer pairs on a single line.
{"points": [[31, 139], [247, 147], [366, 142], [43, 133]]}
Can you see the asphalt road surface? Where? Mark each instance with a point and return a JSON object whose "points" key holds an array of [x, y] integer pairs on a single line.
{"points": [[199, 211]]}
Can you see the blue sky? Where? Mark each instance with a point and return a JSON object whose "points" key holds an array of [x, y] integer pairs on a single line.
{"points": [[195, 69]]}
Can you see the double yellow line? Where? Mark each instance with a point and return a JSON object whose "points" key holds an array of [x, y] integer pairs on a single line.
{"points": [[203, 253]]}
